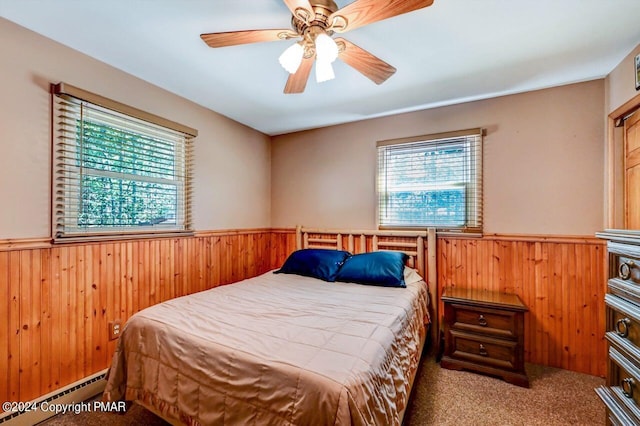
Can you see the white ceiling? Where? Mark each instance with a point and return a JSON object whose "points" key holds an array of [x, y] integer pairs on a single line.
{"points": [[451, 52]]}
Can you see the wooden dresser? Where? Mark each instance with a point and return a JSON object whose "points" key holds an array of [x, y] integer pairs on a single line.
{"points": [[484, 332], [621, 395]]}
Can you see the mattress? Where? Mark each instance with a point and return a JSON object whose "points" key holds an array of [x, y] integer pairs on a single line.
{"points": [[275, 349]]}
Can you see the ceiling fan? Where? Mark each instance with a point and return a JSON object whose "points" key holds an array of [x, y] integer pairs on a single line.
{"points": [[314, 22]]}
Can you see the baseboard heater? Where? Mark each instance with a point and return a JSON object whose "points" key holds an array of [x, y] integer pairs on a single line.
{"points": [[74, 393]]}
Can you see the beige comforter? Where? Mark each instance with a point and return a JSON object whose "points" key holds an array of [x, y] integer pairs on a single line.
{"points": [[274, 349]]}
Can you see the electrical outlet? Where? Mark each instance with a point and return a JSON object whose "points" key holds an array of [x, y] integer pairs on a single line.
{"points": [[114, 329]]}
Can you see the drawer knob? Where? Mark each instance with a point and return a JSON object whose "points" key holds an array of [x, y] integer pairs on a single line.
{"points": [[622, 327], [482, 320], [483, 350], [627, 387], [624, 269]]}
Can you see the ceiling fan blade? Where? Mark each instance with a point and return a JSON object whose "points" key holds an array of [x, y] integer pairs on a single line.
{"points": [[363, 12], [298, 81], [374, 68], [301, 9], [233, 38]]}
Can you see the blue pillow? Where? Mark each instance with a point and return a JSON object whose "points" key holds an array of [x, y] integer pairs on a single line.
{"points": [[383, 268], [317, 263]]}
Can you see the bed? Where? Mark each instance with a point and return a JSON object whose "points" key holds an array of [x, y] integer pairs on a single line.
{"points": [[281, 349]]}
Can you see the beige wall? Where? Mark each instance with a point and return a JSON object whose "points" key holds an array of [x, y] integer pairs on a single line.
{"points": [[621, 82], [543, 152], [232, 166], [543, 163]]}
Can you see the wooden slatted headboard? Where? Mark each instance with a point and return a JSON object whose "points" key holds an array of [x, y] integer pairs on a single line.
{"points": [[413, 243]]}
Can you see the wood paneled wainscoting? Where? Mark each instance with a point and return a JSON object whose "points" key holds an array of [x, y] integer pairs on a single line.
{"points": [[56, 301], [562, 280]]}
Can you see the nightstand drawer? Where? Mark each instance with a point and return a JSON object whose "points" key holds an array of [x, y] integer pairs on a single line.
{"points": [[484, 350], [484, 332], [485, 321]]}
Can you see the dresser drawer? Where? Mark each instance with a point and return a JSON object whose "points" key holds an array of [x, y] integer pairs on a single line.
{"points": [[624, 379], [627, 269], [625, 289], [623, 319], [484, 350], [619, 411], [485, 321], [624, 270], [621, 395]]}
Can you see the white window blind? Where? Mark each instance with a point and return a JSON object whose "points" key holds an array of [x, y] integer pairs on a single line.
{"points": [[116, 175], [431, 181]]}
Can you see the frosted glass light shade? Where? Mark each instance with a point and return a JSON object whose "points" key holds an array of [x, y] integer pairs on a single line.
{"points": [[291, 58], [326, 48], [324, 71]]}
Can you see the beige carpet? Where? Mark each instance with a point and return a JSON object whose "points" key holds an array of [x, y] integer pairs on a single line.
{"points": [[555, 397], [447, 397]]}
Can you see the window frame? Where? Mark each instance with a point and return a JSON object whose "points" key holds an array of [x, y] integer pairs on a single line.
{"points": [[63, 196], [476, 169]]}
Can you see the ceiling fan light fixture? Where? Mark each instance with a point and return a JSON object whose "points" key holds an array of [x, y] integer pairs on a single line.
{"points": [[326, 48], [324, 71], [291, 58], [315, 22]]}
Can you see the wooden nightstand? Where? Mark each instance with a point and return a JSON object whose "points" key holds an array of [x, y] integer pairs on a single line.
{"points": [[484, 332]]}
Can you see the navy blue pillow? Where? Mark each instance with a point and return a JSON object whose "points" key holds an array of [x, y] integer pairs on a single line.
{"points": [[318, 263], [383, 268]]}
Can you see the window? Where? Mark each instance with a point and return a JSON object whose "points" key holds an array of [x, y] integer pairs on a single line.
{"points": [[431, 181], [118, 172]]}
